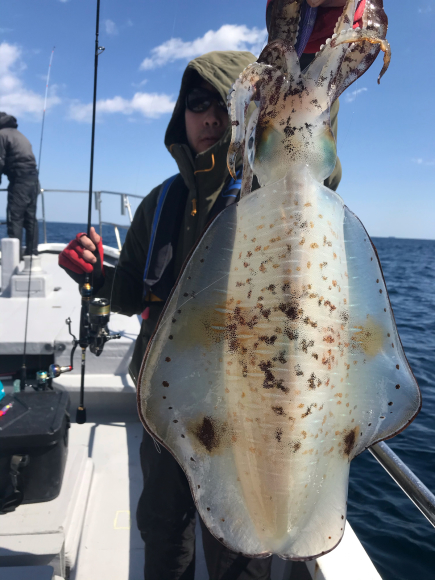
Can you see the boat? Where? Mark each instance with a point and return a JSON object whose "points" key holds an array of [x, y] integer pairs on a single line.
{"points": [[89, 530]]}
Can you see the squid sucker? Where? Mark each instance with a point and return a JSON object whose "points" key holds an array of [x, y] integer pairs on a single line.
{"points": [[277, 358]]}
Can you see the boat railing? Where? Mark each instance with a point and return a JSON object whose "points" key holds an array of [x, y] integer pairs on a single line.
{"points": [[417, 492], [98, 201]]}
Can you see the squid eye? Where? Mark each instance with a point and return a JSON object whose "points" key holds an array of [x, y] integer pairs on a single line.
{"points": [[251, 142]]}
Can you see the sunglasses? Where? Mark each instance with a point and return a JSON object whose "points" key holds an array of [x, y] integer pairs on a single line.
{"points": [[199, 100]]}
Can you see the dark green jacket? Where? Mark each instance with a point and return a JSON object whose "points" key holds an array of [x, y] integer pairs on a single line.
{"points": [[204, 179]]}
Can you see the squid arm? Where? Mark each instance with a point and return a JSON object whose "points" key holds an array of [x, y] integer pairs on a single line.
{"points": [[345, 21], [374, 18], [359, 36], [285, 21], [324, 67], [243, 92], [249, 154], [358, 59]]}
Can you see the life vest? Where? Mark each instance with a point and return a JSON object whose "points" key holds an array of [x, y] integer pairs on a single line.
{"points": [[159, 278]]}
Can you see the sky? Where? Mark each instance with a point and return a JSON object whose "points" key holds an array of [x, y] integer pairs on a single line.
{"points": [[385, 138]]}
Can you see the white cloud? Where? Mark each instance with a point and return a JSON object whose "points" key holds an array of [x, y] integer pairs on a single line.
{"points": [[427, 163], [228, 37], [425, 10], [150, 105], [141, 84], [111, 27], [15, 98], [350, 97]]}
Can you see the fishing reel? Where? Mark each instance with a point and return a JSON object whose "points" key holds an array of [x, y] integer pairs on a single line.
{"points": [[94, 333], [94, 318], [99, 315]]}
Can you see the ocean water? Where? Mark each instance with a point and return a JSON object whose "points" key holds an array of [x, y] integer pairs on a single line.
{"points": [[65, 232], [397, 537]]}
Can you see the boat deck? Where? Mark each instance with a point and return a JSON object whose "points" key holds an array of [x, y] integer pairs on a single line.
{"points": [[104, 543], [111, 546]]}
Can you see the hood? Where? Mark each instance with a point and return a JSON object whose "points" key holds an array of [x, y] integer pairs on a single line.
{"points": [[204, 174], [7, 121], [218, 68]]}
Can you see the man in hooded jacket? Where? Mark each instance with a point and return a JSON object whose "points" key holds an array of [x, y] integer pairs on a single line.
{"points": [[166, 512], [18, 163]]}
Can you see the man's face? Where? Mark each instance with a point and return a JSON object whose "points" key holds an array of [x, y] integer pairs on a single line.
{"points": [[207, 128]]}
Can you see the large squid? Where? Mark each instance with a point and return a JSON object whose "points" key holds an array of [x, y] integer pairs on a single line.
{"points": [[277, 359]]}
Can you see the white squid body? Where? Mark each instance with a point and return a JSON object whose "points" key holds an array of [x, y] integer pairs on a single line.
{"points": [[295, 420], [277, 359], [276, 362]]}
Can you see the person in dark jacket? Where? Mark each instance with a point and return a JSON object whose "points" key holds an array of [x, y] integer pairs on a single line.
{"points": [[18, 163]]}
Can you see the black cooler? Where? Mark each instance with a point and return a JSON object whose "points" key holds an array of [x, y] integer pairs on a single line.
{"points": [[33, 447]]}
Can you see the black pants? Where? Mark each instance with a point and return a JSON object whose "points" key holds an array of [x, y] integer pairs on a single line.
{"points": [[21, 212], [166, 519]]}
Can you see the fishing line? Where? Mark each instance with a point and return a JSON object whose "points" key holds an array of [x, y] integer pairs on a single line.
{"points": [[23, 376], [40, 143], [175, 18]]}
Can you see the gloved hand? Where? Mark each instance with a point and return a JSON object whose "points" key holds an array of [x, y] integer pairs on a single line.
{"points": [[84, 256]]}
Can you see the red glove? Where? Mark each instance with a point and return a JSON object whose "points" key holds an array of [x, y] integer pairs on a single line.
{"points": [[72, 261]]}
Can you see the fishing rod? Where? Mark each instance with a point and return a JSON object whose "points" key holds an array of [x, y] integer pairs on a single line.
{"points": [[95, 312], [40, 142], [23, 373]]}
